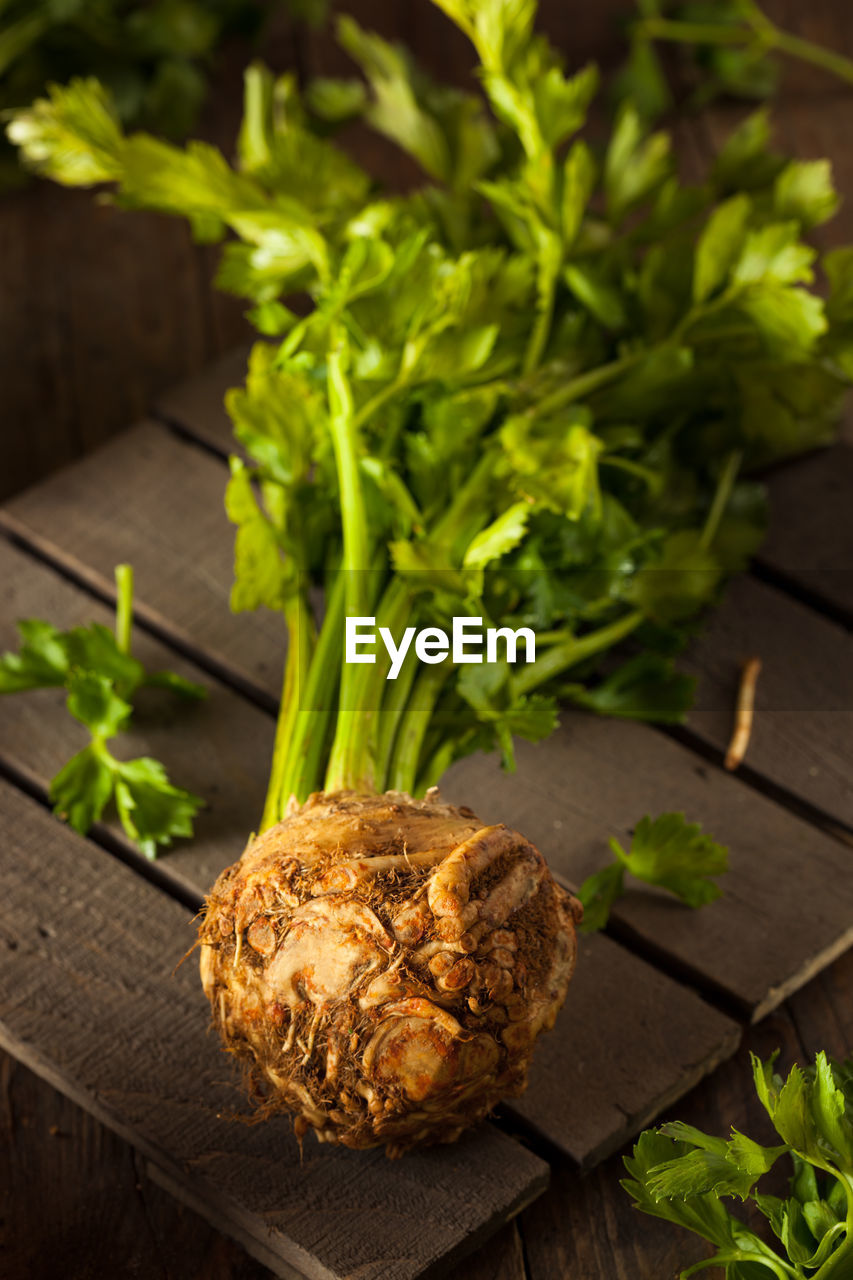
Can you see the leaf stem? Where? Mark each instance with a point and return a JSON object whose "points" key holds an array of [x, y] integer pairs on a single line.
{"points": [[311, 721], [350, 766], [297, 618], [392, 713], [448, 527], [435, 765], [353, 761], [827, 59], [372, 716], [344, 430], [585, 383], [837, 1265], [767, 1259], [542, 327], [562, 656], [375, 403], [728, 475], [696, 32], [419, 709], [342, 773], [650, 478], [124, 606], [759, 31]]}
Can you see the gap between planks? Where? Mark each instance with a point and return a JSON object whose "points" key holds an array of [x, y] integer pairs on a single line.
{"points": [[176, 638], [605, 1066], [799, 590], [94, 1002], [793, 787], [181, 545], [106, 838], [151, 620]]}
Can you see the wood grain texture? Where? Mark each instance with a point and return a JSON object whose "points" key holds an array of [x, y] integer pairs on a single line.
{"points": [[101, 308], [107, 1217], [802, 733], [151, 499], [196, 405], [582, 1227], [109, 1213], [809, 541], [823, 1012], [787, 905], [586, 1227], [628, 1043], [156, 501], [221, 750], [92, 1000]]}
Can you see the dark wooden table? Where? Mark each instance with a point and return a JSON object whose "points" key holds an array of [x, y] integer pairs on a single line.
{"points": [[87, 351], [71, 1189]]}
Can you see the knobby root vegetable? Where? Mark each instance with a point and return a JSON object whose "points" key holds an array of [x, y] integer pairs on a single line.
{"points": [[383, 966]]}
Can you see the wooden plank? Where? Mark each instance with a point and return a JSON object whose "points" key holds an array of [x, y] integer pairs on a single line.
{"points": [[613, 1043], [136, 499], [584, 1225], [787, 906], [809, 540], [823, 1014], [628, 1043], [54, 1152], [99, 310], [106, 1216], [197, 404], [92, 1001], [802, 734], [219, 748], [156, 501]]}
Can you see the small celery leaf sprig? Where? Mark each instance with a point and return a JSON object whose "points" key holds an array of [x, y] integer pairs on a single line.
{"points": [[101, 677], [683, 1175], [668, 852]]}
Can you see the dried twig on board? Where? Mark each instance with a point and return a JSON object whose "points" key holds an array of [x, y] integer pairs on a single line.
{"points": [[743, 713]]}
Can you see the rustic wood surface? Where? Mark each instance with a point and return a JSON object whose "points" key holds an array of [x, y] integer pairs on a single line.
{"points": [[110, 1218], [803, 710], [810, 553], [218, 748], [96, 1001], [612, 1061], [83, 353], [175, 534], [155, 499], [787, 904]]}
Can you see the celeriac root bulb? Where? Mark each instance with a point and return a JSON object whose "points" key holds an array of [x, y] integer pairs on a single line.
{"points": [[383, 966]]}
